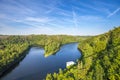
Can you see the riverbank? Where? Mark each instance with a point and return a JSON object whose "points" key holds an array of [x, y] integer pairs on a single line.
{"points": [[36, 63], [57, 49], [17, 60], [24, 53], [99, 61]]}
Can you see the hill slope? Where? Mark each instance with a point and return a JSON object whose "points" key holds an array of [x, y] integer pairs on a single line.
{"points": [[14, 48], [100, 59]]}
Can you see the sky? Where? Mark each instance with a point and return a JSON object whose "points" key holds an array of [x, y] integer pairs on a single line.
{"points": [[52, 17]]}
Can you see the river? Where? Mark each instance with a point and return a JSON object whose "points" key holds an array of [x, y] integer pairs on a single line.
{"points": [[35, 66]]}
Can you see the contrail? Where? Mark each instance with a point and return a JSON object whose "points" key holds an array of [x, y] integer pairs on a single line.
{"points": [[75, 20], [113, 13]]}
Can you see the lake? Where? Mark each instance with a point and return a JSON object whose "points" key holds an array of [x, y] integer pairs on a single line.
{"points": [[35, 66]]}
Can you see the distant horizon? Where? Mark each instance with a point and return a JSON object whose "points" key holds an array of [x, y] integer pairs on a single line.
{"points": [[56, 17], [55, 34], [43, 34]]}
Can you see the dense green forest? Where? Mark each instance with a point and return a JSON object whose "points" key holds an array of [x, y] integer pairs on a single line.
{"points": [[100, 59], [13, 48]]}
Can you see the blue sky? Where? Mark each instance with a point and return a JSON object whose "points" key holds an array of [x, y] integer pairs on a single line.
{"points": [[71, 17]]}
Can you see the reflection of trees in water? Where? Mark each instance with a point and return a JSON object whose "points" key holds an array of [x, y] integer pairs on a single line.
{"points": [[12, 67]]}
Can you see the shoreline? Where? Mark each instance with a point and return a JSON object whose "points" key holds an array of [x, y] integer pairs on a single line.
{"points": [[17, 60], [24, 53]]}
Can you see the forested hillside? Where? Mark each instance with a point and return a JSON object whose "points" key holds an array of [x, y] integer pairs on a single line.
{"points": [[13, 48], [100, 54], [100, 59]]}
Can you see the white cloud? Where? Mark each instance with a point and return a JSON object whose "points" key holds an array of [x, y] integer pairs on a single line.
{"points": [[12, 30], [114, 12], [90, 18], [15, 8], [42, 20], [34, 18]]}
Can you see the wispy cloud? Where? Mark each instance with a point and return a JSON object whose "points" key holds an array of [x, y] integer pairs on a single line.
{"points": [[114, 12], [40, 17], [90, 6], [12, 30], [90, 18], [12, 6], [74, 18], [42, 20], [94, 7]]}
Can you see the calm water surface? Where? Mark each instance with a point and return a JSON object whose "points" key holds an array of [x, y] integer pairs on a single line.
{"points": [[35, 66]]}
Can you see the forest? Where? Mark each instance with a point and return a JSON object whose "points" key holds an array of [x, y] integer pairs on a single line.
{"points": [[13, 48], [100, 58]]}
